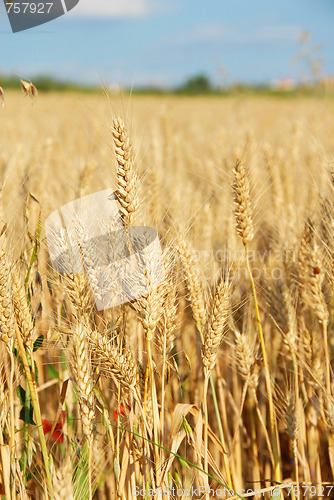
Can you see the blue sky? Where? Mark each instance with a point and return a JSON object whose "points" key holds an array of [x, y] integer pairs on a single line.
{"points": [[163, 41]]}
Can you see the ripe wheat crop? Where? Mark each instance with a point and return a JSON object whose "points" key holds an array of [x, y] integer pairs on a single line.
{"points": [[218, 380]]}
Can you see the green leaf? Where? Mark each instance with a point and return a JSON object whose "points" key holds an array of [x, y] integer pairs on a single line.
{"points": [[187, 426], [21, 394], [183, 463], [38, 343], [27, 416], [63, 360], [52, 371], [81, 476], [33, 257], [177, 476]]}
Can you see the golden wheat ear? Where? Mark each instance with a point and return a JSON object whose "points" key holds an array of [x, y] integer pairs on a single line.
{"points": [[126, 176], [215, 327], [21, 309], [243, 208], [6, 301]]}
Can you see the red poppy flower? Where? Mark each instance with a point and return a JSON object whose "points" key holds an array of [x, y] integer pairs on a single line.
{"points": [[57, 435], [121, 410], [46, 425]]}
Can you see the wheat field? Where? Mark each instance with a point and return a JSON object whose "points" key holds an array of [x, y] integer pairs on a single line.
{"points": [[217, 382]]}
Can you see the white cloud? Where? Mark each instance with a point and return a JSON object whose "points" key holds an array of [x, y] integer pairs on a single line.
{"points": [[114, 8], [219, 33]]}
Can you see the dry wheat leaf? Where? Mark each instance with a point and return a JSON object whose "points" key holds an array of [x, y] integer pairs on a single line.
{"points": [[2, 97], [181, 410], [195, 411], [125, 464], [176, 442]]}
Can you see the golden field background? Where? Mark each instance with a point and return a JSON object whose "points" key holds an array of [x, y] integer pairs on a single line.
{"points": [[60, 147]]}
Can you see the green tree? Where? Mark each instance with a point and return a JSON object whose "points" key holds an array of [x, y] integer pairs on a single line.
{"points": [[198, 84]]}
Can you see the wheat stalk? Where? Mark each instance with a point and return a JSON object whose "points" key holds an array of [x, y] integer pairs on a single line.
{"points": [[244, 226], [83, 377]]}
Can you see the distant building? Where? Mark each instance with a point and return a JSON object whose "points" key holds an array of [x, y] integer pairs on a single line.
{"points": [[284, 84]]}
